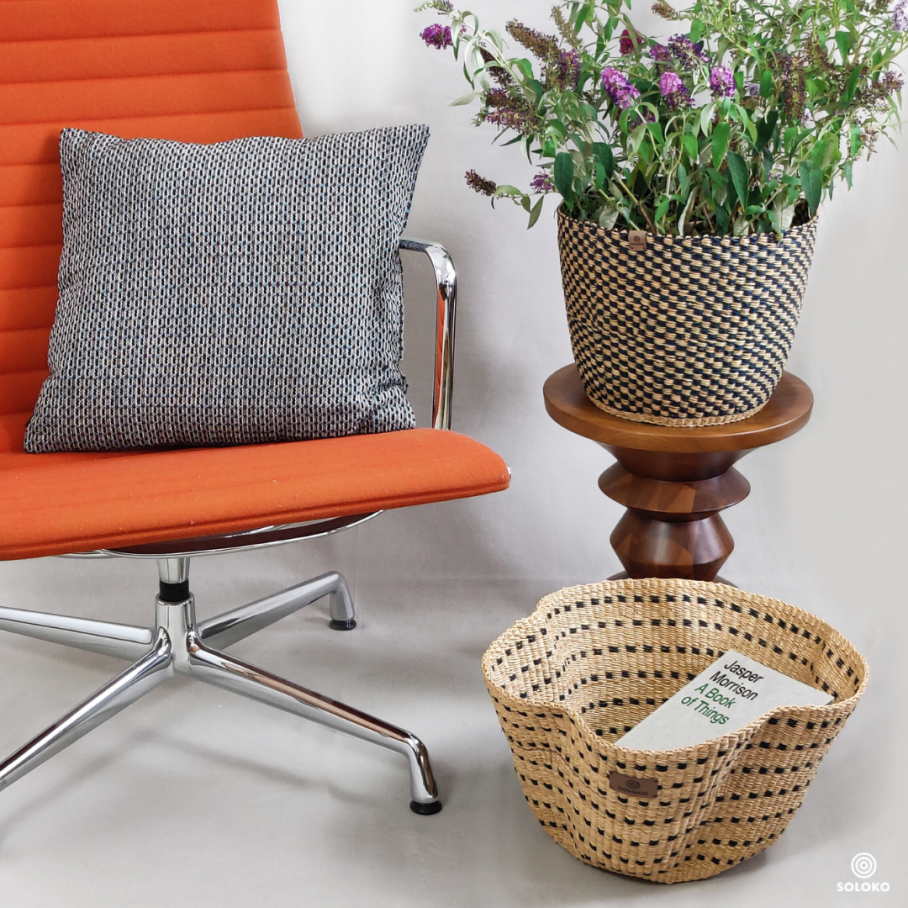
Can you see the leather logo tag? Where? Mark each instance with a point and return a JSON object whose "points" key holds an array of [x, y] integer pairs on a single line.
{"points": [[630, 785], [637, 240]]}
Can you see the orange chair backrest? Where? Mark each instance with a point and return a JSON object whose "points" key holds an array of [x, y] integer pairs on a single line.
{"points": [[191, 70]]}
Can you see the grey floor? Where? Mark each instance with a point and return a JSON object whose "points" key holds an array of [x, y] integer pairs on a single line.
{"points": [[196, 797]]}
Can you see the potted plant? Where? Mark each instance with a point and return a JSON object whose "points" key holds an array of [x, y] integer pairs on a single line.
{"points": [[690, 171]]}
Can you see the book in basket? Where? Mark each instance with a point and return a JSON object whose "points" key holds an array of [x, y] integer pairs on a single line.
{"points": [[726, 696]]}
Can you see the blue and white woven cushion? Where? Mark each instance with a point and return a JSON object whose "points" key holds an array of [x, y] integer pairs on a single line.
{"points": [[242, 292]]}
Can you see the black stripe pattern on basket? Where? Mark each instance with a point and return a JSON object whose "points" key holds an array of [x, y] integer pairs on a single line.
{"points": [[234, 293], [688, 331]]}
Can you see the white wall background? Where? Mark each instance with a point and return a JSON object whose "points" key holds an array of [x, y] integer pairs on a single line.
{"points": [[824, 527]]}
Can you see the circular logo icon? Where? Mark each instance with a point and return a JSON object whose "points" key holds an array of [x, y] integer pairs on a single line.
{"points": [[632, 784], [863, 865]]}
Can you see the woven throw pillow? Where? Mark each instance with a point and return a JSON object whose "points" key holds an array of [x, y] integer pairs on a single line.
{"points": [[242, 292]]}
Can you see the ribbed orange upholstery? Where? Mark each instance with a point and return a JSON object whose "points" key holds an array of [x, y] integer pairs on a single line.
{"points": [[194, 71], [56, 503]]}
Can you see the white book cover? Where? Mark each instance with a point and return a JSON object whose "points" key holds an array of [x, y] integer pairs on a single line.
{"points": [[728, 695]]}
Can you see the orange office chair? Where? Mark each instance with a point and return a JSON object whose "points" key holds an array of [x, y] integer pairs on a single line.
{"points": [[204, 71]]}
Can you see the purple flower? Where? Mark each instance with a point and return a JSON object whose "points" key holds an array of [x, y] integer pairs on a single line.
{"points": [[752, 89], [480, 184], [900, 16], [891, 81], [438, 36], [660, 53], [626, 44], [565, 70], [670, 83], [542, 182], [722, 82], [618, 87], [686, 52], [674, 90]]}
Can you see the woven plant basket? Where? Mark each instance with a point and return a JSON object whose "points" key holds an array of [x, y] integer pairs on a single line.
{"points": [[592, 661], [686, 331]]}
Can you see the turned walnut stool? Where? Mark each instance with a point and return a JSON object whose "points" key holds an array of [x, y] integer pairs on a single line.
{"points": [[674, 481]]}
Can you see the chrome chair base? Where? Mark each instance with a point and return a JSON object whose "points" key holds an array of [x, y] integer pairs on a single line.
{"points": [[177, 644]]}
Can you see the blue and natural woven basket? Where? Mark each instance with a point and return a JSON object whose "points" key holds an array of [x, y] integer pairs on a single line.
{"points": [[682, 331], [592, 661]]}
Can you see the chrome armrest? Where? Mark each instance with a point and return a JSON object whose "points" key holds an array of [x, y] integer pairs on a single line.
{"points": [[445, 312]]}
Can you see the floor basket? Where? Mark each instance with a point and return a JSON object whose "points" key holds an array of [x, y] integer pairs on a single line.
{"points": [[682, 331], [592, 661]]}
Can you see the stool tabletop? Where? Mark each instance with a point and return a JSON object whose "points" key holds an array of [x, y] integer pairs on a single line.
{"points": [[785, 413]]}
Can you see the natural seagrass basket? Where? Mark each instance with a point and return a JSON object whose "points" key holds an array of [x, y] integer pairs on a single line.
{"points": [[682, 331], [592, 661]]}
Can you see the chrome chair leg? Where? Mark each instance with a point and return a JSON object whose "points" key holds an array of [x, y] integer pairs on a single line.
{"points": [[126, 688], [222, 631], [242, 678], [121, 640], [182, 646]]}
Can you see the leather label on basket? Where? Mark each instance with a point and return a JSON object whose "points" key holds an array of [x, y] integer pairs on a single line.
{"points": [[631, 785], [637, 240]]}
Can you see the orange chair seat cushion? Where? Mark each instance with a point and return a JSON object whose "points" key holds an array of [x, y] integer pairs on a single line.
{"points": [[52, 504]]}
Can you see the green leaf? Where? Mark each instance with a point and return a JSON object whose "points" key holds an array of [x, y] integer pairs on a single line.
{"points": [[843, 39], [812, 184], [847, 169], [646, 150], [855, 140], [706, 117], [683, 180], [662, 209], [607, 217], [687, 207], [605, 157], [720, 143], [598, 175], [537, 88], [525, 67], [765, 129], [534, 214], [746, 120], [656, 131], [851, 87], [558, 129], [767, 89], [722, 219], [466, 99], [636, 138], [691, 146], [696, 30], [818, 154], [739, 175], [564, 175]]}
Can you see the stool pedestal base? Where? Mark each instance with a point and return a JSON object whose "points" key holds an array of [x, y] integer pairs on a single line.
{"points": [[674, 482]]}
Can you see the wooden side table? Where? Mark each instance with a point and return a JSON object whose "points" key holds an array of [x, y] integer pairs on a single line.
{"points": [[674, 482]]}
